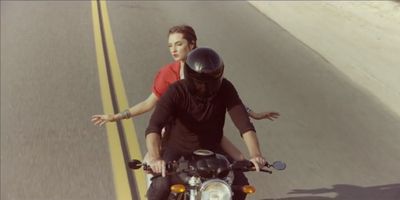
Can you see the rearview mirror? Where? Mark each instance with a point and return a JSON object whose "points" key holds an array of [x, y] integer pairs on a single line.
{"points": [[279, 165]]}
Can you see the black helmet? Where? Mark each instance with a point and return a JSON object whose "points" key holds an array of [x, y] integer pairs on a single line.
{"points": [[203, 71]]}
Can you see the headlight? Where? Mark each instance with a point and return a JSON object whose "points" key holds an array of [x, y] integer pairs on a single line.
{"points": [[215, 190]]}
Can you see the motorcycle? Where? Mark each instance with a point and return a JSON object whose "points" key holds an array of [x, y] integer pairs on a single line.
{"points": [[207, 176]]}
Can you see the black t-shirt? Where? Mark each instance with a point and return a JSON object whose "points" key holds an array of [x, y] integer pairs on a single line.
{"points": [[191, 122]]}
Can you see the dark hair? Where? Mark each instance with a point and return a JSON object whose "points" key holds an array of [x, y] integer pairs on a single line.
{"points": [[187, 32]]}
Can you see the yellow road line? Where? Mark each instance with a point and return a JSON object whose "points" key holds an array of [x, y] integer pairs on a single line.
{"points": [[121, 182], [130, 133]]}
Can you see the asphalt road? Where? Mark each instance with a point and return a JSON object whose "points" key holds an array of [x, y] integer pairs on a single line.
{"points": [[338, 141]]}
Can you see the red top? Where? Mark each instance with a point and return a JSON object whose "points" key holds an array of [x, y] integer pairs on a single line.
{"points": [[165, 77]]}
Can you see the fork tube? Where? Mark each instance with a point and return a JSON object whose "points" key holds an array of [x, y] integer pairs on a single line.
{"points": [[193, 194]]}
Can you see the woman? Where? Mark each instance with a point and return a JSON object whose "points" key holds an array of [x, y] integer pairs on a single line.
{"points": [[181, 40]]}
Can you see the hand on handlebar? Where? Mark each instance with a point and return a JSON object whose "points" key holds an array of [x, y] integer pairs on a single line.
{"points": [[158, 166], [258, 162]]}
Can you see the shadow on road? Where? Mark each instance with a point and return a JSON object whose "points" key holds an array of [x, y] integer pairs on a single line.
{"points": [[349, 192]]}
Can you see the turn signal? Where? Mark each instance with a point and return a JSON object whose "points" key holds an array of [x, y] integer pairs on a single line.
{"points": [[178, 188], [248, 189]]}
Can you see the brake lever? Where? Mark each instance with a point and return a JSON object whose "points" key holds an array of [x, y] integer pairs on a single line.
{"points": [[266, 170]]}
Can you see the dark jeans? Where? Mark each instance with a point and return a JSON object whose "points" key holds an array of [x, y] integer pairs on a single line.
{"points": [[160, 186]]}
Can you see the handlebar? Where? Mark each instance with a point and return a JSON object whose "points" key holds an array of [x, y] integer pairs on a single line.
{"points": [[244, 165], [136, 164]]}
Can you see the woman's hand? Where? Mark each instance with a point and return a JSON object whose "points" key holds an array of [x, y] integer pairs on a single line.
{"points": [[262, 115], [100, 120]]}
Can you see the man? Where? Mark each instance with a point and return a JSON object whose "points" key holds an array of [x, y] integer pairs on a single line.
{"points": [[193, 112]]}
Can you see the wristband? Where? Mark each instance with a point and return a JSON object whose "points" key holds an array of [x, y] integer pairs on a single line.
{"points": [[126, 114], [248, 110]]}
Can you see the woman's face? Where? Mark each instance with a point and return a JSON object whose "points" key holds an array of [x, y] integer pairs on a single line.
{"points": [[178, 46]]}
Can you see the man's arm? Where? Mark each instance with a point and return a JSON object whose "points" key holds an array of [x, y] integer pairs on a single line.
{"points": [[251, 141], [164, 109], [231, 149], [239, 116], [153, 143]]}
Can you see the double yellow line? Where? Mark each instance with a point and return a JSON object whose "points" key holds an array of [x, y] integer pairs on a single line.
{"points": [[122, 139]]}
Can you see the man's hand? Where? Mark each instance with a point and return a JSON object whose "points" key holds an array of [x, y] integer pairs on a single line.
{"points": [[146, 160], [158, 166], [100, 120], [264, 115], [259, 162]]}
